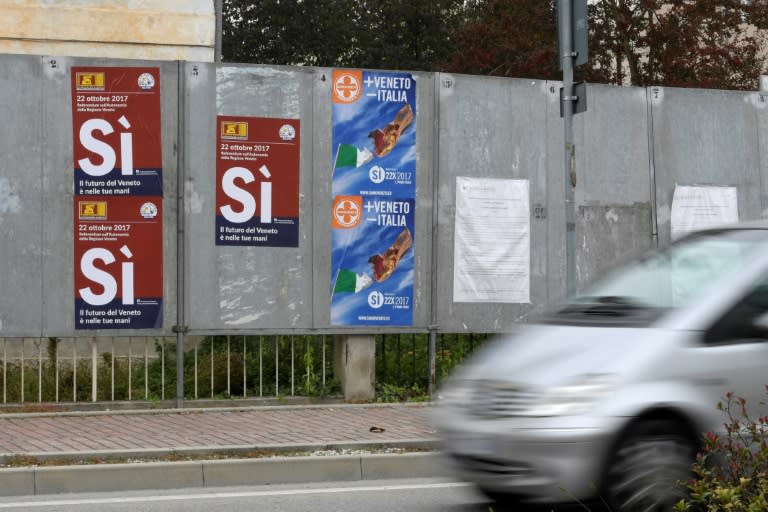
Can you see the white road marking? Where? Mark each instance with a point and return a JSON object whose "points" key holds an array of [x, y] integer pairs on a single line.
{"points": [[228, 495]]}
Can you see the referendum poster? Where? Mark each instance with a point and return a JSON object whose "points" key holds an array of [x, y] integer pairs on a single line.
{"points": [[257, 182], [695, 208], [492, 241], [118, 197], [116, 122], [373, 198]]}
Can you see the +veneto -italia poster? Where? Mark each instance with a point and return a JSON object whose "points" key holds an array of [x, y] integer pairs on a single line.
{"points": [[373, 204]]}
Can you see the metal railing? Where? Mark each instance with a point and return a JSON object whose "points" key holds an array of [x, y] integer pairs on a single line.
{"points": [[402, 360], [68, 370], [115, 369]]}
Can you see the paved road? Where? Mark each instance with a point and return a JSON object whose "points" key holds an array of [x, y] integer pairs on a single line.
{"points": [[427, 495], [388, 495]]}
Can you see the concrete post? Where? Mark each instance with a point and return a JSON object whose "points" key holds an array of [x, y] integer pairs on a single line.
{"points": [[354, 363]]}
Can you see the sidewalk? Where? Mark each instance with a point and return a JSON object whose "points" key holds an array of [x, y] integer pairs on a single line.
{"points": [[133, 433], [85, 439]]}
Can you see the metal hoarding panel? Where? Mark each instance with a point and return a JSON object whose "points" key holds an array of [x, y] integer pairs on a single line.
{"points": [[705, 137], [59, 202], [613, 190], [22, 209], [247, 287], [490, 128]]}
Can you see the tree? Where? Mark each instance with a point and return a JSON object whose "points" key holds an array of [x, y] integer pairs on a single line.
{"points": [[683, 43], [514, 38], [388, 34], [407, 34], [686, 43], [295, 32]]}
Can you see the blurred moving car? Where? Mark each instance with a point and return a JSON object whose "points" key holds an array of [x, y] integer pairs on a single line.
{"points": [[609, 394]]}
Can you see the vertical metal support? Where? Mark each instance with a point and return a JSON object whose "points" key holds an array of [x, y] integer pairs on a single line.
{"points": [[22, 370], [40, 370], [5, 372], [323, 342], [196, 346], [94, 371], [74, 370], [277, 367], [130, 369], [384, 373], [567, 55], [112, 370], [308, 361], [245, 370], [180, 231], [229, 370], [212, 367], [56, 357], [162, 370], [218, 6], [433, 297], [180, 367], [649, 94], [261, 367], [398, 351], [146, 369], [432, 355], [293, 391]]}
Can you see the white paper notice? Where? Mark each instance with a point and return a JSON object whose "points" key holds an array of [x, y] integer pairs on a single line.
{"points": [[696, 208], [492, 241]]}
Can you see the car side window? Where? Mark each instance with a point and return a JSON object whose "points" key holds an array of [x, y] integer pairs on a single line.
{"points": [[745, 322]]}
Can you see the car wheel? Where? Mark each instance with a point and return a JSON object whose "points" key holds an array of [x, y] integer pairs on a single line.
{"points": [[650, 467]]}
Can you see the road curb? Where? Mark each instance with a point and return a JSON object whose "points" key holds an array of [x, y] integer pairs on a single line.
{"points": [[217, 473], [243, 407], [219, 451]]}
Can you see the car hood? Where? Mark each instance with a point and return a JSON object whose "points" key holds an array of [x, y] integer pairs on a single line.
{"points": [[547, 355]]}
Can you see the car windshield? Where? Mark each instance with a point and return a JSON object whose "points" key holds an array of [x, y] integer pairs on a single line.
{"points": [[675, 276]]}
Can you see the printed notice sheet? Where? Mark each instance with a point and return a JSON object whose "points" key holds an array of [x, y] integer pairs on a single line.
{"points": [[696, 208], [492, 241]]}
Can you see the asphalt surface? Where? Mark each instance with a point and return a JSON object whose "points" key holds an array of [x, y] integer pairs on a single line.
{"points": [[392, 495], [49, 453]]}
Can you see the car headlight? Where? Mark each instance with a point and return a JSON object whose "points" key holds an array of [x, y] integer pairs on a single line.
{"points": [[455, 392], [571, 399]]}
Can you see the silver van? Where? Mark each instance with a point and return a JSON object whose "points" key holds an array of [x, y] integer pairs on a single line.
{"points": [[609, 394]]}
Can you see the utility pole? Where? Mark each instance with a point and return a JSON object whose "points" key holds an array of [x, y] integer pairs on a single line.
{"points": [[218, 50], [572, 39]]}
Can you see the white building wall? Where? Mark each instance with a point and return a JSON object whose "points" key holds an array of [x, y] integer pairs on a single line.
{"points": [[131, 29]]}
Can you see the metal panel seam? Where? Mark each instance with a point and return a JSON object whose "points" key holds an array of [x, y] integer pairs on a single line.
{"points": [[180, 228], [41, 127], [310, 197], [652, 168], [759, 155]]}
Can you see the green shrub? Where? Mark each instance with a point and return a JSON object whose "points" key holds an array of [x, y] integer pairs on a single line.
{"points": [[402, 360], [393, 393], [731, 472]]}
